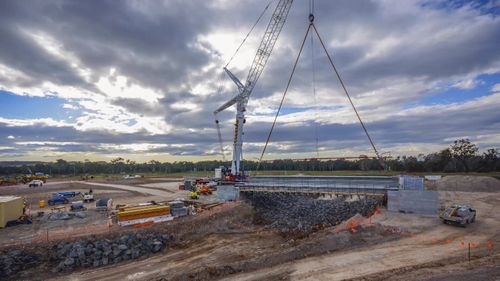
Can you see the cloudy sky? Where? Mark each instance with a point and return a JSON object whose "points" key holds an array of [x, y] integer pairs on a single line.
{"points": [[140, 79]]}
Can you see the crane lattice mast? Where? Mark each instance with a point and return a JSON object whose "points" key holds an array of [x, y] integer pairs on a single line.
{"points": [[270, 37]]}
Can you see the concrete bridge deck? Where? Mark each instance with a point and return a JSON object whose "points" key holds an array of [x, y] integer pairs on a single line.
{"points": [[333, 185]]}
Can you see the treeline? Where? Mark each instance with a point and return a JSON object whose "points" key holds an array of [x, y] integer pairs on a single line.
{"points": [[461, 156]]}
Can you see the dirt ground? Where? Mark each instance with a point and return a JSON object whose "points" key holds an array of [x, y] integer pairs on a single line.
{"points": [[466, 183], [394, 246], [235, 245], [122, 192]]}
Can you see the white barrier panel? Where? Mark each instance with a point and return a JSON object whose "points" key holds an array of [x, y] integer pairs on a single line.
{"points": [[144, 220]]}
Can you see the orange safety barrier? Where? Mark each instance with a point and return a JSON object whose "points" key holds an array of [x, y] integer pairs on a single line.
{"points": [[142, 215], [144, 224]]}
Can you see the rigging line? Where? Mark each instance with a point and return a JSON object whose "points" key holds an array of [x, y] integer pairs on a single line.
{"points": [[348, 96], [248, 34], [311, 7], [314, 95], [220, 139], [283, 98], [219, 91]]}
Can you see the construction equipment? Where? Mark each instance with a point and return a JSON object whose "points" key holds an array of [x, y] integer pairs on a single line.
{"points": [[270, 37], [178, 209], [104, 204], [23, 219], [57, 198], [88, 197], [205, 190], [458, 214], [8, 181], [37, 176], [193, 194], [77, 206], [86, 177]]}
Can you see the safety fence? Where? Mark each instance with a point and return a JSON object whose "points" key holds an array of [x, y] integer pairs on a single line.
{"points": [[354, 225], [51, 235]]}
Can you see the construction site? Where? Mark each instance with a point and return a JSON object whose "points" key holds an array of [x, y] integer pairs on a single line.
{"points": [[262, 233], [236, 225]]}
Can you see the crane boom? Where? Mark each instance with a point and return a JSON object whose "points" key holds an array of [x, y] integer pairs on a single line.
{"points": [[266, 46]]}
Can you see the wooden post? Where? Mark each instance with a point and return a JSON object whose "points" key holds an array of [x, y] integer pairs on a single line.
{"points": [[469, 251]]}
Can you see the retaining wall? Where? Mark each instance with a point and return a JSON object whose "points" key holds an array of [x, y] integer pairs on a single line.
{"points": [[424, 202], [228, 192]]}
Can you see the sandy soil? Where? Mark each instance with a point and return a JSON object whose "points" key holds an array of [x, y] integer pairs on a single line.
{"points": [[469, 183]]}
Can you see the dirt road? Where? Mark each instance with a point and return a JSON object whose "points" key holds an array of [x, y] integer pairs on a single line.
{"points": [[150, 191], [426, 241]]}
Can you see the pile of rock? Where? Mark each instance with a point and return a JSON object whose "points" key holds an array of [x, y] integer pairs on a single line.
{"points": [[66, 215], [15, 261], [303, 213], [94, 253]]}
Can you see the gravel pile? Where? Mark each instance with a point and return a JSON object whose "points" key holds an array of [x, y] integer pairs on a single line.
{"points": [[468, 184], [15, 261], [94, 253], [303, 213]]}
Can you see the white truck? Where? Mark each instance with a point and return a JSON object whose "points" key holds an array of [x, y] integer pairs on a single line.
{"points": [[88, 197], [35, 183], [458, 214]]}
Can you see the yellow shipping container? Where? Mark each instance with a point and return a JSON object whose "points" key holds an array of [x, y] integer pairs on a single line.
{"points": [[11, 208]]}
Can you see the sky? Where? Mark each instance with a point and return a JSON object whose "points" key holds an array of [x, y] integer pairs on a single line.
{"points": [[140, 79]]}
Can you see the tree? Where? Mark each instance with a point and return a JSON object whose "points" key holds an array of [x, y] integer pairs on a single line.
{"points": [[490, 160], [462, 150]]}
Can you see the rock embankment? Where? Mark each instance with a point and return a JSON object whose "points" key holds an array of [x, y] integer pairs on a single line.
{"points": [[88, 253], [303, 213], [67, 256]]}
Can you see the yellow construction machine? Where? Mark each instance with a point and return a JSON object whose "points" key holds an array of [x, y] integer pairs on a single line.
{"points": [[193, 194]]}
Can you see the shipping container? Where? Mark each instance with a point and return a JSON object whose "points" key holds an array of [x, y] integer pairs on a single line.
{"points": [[11, 208]]}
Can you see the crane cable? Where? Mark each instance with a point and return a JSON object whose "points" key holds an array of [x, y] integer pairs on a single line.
{"points": [[283, 98], [220, 139], [349, 98], [248, 34], [311, 12], [217, 125], [311, 24], [219, 90]]}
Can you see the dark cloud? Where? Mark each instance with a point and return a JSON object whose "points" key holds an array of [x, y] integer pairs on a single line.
{"points": [[156, 44], [139, 106]]}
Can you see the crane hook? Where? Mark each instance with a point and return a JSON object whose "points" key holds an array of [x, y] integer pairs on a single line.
{"points": [[311, 18]]}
